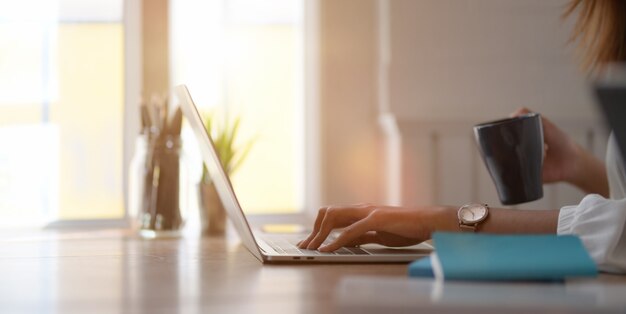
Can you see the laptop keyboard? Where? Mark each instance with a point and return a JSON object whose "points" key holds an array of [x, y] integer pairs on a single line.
{"points": [[285, 247]]}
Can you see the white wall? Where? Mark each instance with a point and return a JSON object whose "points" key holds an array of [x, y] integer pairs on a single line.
{"points": [[438, 67], [350, 155], [482, 59]]}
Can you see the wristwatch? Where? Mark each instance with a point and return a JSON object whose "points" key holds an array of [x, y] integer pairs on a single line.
{"points": [[471, 215]]}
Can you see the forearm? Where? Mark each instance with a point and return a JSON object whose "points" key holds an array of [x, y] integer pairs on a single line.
{"points": [[500, 220], [590, 174]]}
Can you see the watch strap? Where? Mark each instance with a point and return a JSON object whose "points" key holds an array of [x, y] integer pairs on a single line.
{"points": [[467, 228]]}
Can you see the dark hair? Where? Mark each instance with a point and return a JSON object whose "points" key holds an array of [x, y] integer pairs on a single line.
{"points": [[600, 31]]}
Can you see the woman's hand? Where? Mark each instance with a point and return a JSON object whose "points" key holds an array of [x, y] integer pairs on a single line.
{"points": [[390, 226], [566, 161], [397, 226], [561, 151]]}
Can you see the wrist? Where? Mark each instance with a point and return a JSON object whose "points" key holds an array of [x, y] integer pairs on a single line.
{"points": [[442, 218], [580, 164], [589, 173]]}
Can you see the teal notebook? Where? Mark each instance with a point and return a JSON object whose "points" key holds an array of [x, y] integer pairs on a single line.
{"points": [[421, 268], [465, 256]]}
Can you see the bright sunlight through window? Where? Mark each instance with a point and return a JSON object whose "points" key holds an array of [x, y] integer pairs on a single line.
{"points": [[61, 107], [245, 58]]}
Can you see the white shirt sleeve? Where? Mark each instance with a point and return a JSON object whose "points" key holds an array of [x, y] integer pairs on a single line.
{"points": [[600, 223]]}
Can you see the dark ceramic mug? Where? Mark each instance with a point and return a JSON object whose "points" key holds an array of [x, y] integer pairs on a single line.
{"points": [[512, 150]]}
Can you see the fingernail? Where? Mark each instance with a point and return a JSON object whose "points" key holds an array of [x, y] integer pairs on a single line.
{"points": [[322, 248]]}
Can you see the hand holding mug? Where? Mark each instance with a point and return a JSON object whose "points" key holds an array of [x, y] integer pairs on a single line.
{"points": [[567, 161], [559, 150]]}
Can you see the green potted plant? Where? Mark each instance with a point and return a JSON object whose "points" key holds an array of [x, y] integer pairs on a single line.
{"points": [[231, 155]]}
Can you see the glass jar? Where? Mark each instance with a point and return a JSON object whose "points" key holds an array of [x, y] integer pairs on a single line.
{"points": [[136, 173], [158, 187]]}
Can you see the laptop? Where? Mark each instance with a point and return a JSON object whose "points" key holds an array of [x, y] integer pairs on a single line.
{"points": [[276, 248]]}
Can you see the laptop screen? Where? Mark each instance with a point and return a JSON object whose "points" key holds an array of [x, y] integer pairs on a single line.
{"points": [[218, 175]]}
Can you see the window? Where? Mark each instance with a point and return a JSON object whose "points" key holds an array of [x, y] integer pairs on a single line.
{"points": [[245, 58], [61, 110]]}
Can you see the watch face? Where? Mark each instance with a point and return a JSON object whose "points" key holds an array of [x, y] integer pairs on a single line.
{"points": [[472, 213]]}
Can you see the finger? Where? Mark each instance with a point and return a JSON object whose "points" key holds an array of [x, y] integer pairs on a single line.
{"points": [[520, 111], [366, 238], [337, 217], [383, 238], [350, 234], [316, 227], [326, 227]]}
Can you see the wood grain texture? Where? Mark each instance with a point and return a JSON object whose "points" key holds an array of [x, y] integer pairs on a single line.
{"points": [[112, 271], [115, 272]]}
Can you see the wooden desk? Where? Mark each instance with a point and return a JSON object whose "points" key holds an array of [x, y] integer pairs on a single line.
{"points": [[112, 271]]}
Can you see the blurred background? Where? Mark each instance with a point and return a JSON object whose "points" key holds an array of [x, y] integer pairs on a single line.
{"points": [[350, 101]]}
